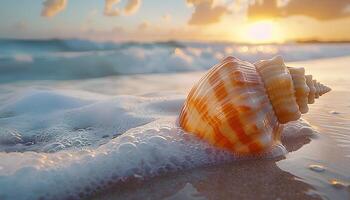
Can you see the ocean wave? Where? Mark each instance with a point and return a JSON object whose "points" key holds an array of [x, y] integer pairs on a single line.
{"points": [[77, 45], [79, 59]]}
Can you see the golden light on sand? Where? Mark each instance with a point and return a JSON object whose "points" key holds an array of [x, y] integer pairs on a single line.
{"points": [[261, 32]]}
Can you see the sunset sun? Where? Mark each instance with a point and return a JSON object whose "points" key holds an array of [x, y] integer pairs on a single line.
{"points": [[261, 32]]}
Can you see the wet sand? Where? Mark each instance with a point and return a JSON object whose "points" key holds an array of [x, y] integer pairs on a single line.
{"points": [[317, 166]]}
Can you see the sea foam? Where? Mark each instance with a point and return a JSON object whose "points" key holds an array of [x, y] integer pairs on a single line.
{"points": [[74, 147]]}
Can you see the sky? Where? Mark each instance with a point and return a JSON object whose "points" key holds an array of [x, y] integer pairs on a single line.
{"points": [[253, 21]]}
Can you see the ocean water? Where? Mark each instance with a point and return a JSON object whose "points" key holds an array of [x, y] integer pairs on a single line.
{"points": [[78, 59], [78, 117]]}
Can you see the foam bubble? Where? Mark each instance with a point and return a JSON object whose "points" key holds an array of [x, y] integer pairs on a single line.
{"points": [[9, 136]]}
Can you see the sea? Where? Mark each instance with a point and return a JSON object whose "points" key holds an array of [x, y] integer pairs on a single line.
{"points": [[78, 117]]}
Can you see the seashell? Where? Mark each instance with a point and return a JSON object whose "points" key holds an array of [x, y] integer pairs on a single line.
{"points": [[242, 106]]}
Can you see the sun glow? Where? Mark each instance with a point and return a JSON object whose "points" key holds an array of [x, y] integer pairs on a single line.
{"points": [[261, 32]]}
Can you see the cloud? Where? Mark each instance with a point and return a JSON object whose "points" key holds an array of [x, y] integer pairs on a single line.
{"points": [[111, 8], [132, 7], [53, 7], [320, 9], [347, 9], [193, 2], [206, 12]]}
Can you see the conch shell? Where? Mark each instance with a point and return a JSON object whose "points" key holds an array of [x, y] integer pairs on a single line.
{"points": [[242, 106]]}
